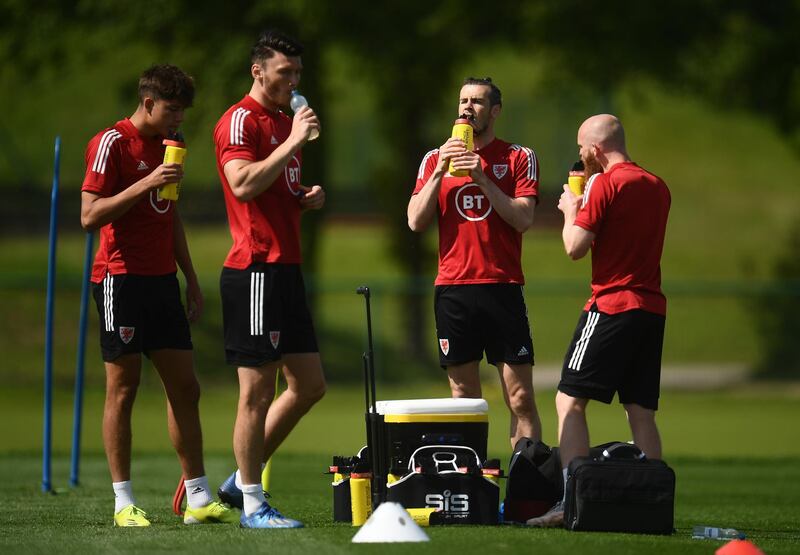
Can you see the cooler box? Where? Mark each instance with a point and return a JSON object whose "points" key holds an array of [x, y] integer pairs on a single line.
{"points": [[414, 423], [435, 450]]}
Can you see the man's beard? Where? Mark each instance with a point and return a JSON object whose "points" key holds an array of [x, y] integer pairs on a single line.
{"points": [[476, 131], [591, 166]]}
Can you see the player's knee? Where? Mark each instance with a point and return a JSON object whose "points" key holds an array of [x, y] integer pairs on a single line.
{"points": [[190, 392], [521, 402], [313, 393], [122, 395]]}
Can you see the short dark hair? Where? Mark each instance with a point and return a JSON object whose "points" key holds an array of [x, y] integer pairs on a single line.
{"points": [[271, 41], [495, 96], [166, 82]]}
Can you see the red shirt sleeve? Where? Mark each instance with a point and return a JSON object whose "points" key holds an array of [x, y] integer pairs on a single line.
{"points": [[596, 198], [239, 139], [426, 168], [525, 168], [102, 163]]}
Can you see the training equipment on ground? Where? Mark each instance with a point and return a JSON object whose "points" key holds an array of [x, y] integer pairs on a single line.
{"points": [[131, 516], [212, 513], [47, 485], [535, 482], [429, 455], [390, 523], [268, 517], [620, 491]]}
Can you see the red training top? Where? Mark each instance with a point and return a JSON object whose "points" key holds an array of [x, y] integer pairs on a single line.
{"points": [[627, 209], [266, 228], [141, 240], [476, 245]]}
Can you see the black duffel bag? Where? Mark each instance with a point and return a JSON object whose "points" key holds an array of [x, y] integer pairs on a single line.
{"points": [[620, 490], [535, 482]]}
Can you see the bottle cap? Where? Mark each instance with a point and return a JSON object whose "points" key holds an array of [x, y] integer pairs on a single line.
{"points": [[462, 120], [172, 142], [577, 166]]}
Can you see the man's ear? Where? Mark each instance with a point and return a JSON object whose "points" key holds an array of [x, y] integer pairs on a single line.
{"points": [[496, 109], [148, 104], [256, 71]]}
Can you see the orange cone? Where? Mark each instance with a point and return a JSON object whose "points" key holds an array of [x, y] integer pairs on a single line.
{"points": [[739, 547]]}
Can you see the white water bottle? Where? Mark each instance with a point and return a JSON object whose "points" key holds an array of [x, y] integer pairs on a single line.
{"points": [[714, 533], [297, 102]]}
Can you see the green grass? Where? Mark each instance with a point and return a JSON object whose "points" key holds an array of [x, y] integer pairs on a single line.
{"points": [[736, 454]]}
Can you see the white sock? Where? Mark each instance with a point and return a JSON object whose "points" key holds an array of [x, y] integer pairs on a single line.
{"points": [[197, 494], [123, 495], [253, 497], [238, 478], [564, 473]]}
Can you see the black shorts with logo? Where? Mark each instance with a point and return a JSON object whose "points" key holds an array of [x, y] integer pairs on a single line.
{"points": [[473, 319], [265, 314], [613, 353], [139, 314]]}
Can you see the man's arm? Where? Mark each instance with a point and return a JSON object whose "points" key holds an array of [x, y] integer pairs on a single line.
{"points": [[194, 296], [422, 206], [577, 240], [517, 212], [248, 179], [97, 210]]}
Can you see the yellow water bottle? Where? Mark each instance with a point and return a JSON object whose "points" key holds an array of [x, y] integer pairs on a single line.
{"points": [[462, 130], [361, 496], [576, 179], [175, 153]]}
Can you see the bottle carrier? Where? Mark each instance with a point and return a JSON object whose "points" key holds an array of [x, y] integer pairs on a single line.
{"points": [[429, 455]]}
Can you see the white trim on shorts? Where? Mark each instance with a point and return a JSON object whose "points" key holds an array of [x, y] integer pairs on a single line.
{"points": [[257, 303], [581, 345]]}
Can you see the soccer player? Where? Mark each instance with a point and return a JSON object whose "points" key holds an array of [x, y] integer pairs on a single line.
{"points": [[616, 348], [478, 291], [137, 291], [266, 319]]}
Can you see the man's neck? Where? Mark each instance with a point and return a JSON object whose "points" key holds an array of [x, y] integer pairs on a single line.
{"points": [[483, 139], [614, 158], [257, 94], [139, 121]]}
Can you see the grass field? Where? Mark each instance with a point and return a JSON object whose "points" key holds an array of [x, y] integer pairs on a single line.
{"points": [[736, 454]]}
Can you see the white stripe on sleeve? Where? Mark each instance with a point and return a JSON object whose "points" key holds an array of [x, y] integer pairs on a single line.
{"points": [[103, 150]]}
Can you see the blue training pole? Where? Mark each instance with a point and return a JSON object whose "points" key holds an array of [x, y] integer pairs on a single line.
{"points": [[77, 409], [47, 486]]}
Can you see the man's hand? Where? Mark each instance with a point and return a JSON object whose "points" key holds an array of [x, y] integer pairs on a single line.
{"points": [[163, 174], [194, 301], [314, 197], [470, 162], [303, 122], [450, 149], [569, 203]]}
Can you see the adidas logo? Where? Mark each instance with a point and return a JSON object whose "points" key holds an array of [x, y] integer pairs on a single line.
{"points": [[142, 166], [198, 489], [522, 352], [273, 140]]}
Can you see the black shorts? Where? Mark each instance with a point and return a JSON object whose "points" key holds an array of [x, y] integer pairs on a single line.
{"points": [[265, 314], [615, 353], [139, 314], [471, 319]]}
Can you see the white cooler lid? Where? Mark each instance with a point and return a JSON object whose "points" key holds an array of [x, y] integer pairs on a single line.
{"points": [[433, 406]]}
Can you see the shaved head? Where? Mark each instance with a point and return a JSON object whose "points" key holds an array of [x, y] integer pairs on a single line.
{"points": [[605, 131]]}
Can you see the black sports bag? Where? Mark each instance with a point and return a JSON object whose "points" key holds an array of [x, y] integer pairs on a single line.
{"points": [[534, 480], [620, 490]]}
